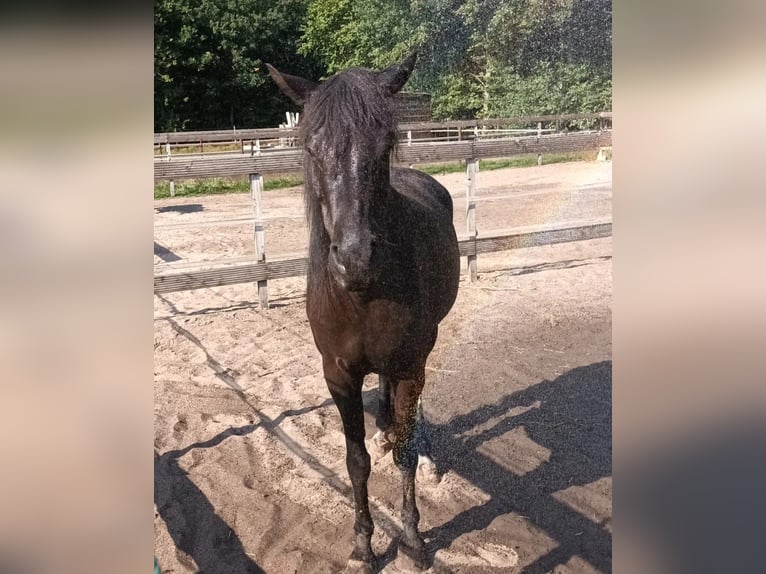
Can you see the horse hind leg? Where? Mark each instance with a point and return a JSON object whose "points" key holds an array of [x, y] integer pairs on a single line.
{"points": [[427, 472], [383, 440], [406, 395]]}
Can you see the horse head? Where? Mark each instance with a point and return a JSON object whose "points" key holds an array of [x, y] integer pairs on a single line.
{"points": [[349, 130]]}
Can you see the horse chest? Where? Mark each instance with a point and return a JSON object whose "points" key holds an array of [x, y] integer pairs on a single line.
{"points": [[385, 329], [375, 337]]}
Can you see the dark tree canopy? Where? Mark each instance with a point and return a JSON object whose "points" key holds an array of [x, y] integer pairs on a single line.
{"points": [[209, 58], [478, 58]]}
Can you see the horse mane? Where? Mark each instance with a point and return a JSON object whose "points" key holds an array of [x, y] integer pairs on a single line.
{"points": [[346, 106]]}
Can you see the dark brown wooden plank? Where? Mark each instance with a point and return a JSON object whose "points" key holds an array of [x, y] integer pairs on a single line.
{"points": [[180, 168], [216, 274], [408, 106]]}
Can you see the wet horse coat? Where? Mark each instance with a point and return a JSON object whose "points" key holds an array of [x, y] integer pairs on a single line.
{"points": [[383, 270]]}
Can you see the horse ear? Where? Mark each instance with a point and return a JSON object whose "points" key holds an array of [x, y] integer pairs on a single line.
{"points": [[393, 78], [296, 88]]}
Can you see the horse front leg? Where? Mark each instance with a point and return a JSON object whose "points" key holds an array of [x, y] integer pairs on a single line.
{"points": [[346, 391], [406, 395]]}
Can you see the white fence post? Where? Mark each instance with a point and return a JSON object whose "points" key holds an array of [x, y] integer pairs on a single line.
{"points": [[472, 166], [256, 190]]}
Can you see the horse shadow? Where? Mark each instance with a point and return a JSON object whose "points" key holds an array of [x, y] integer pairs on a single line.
{"points": [[191, 520], [571, 417]]}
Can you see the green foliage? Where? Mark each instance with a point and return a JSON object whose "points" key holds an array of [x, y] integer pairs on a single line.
{"points": [[345, 33], [478, 58], [530, 57], [209, 60], [550, 89], [456, 97]]}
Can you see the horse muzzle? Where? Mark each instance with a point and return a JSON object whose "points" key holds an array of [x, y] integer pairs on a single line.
{"points": [[351, 267]]}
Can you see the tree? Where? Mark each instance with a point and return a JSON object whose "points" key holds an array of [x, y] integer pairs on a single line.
{"points": [[530, 57], [209, 61], [478, 58], [375, 33]]}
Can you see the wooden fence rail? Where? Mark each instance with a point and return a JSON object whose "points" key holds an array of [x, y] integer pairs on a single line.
{"points": [[180, 168], [219, 274], [196, 137]]}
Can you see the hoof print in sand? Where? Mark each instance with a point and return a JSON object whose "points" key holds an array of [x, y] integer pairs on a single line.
{"points": [[487, 554], [180, 427]]}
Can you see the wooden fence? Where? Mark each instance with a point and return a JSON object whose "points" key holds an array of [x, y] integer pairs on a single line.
{"points": [[222, 273], [465, 126], [177, 277], [180, 168]]}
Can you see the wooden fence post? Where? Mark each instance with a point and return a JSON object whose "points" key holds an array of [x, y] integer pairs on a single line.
{"points": [[256, 189], [172, 188], [167, 149], [472, 166]]}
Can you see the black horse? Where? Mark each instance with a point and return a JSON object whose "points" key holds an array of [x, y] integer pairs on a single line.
{"points": [[383, 271]]}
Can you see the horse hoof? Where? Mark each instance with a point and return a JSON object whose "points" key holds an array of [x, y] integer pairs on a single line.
{"points": [[427, 473], [355, 566], [412, 558]]}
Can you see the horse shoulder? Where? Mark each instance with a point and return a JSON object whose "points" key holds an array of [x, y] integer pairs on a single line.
{"points": [[422, 188]]}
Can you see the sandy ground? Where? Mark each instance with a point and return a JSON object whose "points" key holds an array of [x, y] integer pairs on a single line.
{"points": [[249, 455]]}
